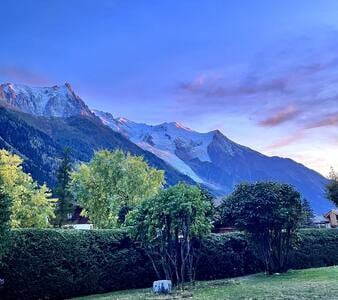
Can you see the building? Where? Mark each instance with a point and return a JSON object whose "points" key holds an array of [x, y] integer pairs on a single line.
{"points": [[332, 217]]}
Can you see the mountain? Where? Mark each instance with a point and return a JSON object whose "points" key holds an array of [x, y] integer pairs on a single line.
{"points": [[217, 162], [38, 130], [56, 101], [38, 122]]}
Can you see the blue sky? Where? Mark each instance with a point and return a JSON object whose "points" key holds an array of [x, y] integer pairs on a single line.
{"points": [[263, 72]]}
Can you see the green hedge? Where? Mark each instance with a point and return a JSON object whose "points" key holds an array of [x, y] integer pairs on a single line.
{"points": [[58, 264], [317, 248], [226, 255]]}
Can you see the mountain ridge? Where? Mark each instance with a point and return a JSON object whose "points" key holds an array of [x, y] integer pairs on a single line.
{"points": [[39, 122], [214, 160]]}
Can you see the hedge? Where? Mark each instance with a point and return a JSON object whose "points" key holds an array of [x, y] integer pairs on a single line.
{"points": [[58, 264]]}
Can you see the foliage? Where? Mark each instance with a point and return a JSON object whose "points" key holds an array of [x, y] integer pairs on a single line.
{"points": [[60, 264], [31, 204], [5, 208], [168, 225], [64, 204], [308, 215], [41, 141], [332, 187], [226, 255], [110, 182], [270, 213], [316, 248]]}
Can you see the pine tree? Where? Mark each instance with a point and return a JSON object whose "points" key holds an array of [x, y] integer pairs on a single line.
{"points": [[308, 215], [65, 204]]}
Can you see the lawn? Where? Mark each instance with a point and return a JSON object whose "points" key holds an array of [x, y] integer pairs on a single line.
{"points": [[320, 283]]}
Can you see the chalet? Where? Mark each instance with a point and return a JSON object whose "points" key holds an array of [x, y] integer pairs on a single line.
{"points": [[332, 217]]}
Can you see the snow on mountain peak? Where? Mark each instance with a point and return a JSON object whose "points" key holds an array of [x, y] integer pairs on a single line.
{"points": [[172, 142], [55, 101]]}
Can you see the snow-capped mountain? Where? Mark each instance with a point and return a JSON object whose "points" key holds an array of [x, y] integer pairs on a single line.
{"points": [[56, 101], [210, 159], [167, 141], [215, 161]]}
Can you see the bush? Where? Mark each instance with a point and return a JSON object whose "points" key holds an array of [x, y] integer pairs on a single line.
{"points": [[226, 255], [316, 248], [58, 264]]}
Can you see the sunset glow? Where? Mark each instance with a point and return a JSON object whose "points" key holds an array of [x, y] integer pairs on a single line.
{"points": [[266, 76]]}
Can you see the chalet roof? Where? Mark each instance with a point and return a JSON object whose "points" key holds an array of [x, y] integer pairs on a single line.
{"points": [[335, 211]]}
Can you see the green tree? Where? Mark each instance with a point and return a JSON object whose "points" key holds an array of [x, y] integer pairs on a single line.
{"points": [[5, 213], [111, 184], [270, 213], [64, 204], [332, 187], [169, 225], [308, 215], [31, 205]]}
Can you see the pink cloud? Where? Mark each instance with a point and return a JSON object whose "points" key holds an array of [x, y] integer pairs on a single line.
{"points": [[281, 116], [287, 140], [324, 121]]}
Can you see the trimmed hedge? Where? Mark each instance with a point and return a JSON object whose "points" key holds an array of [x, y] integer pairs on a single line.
{"points": [[317, 248], [58, 264], [226, 255]]}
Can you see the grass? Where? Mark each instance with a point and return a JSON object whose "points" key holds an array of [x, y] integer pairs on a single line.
{"points": [[319, 283]]}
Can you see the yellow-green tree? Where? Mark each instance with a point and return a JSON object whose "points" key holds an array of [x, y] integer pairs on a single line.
{"points": [[111, 184], [31, 205]]}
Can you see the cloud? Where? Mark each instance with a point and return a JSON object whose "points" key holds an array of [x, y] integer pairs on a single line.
{"points": [[22, 75], [287, 140], [209, 88], [255, 82], [324, 121], [285, 114]]}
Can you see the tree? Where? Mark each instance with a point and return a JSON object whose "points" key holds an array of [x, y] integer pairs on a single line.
{"points": [[332, 187], [64, 205], [270, 213], [168, 226], [31, 205], [5, 213], [111, 184], [308, 215]]}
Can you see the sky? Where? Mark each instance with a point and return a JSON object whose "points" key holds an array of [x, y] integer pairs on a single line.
{"points": [[263, 72]]}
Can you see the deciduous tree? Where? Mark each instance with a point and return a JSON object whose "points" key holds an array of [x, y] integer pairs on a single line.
{"points": [[169, 225], [111, 184], [31, 205], [270, 213]]}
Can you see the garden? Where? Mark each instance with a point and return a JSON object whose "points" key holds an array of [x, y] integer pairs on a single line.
{"points": [[145, 231]]}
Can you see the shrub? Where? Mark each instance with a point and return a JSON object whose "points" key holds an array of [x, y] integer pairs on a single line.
{"points": [[226, 255], [58, 264], [316, 248]]}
